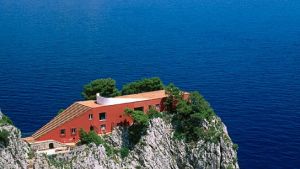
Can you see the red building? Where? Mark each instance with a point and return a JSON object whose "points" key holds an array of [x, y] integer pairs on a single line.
{"points": [[100, 116]]}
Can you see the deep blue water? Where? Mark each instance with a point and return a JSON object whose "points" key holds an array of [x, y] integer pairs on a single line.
{"points": [[243, 55]]}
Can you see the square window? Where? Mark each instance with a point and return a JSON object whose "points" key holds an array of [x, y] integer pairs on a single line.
{"points": [[63, 131], [102, 116], [90, 116]]}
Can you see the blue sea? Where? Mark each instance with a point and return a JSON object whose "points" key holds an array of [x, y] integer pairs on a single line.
{"points": [[242, 55]]}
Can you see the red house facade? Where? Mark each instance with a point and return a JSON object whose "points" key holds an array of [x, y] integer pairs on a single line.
{"points": [[100, 116]]}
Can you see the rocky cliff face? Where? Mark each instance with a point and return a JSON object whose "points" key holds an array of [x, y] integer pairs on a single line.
{"points": [[14, 152], [156, 149]]}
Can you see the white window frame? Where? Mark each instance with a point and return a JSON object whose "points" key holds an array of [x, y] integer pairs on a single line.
{"points": [[73, 131], [91, 116]]}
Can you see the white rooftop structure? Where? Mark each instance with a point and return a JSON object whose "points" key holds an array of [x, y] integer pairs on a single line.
{"points": [[111, 101]]}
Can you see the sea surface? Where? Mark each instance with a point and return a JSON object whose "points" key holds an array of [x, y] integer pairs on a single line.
{"points": [[243, 55]]}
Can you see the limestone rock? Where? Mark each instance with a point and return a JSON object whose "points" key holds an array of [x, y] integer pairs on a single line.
{"points": [[157, 149], [15, 154]]}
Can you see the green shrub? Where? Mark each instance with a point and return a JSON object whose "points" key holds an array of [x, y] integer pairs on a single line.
{"points": [[235, 147], [90, 137], [152, 113], [188, 116], [139, 126], [109, 149], [143, 85], [139, 117], [124, 151], [4, 134], [6, 120]]}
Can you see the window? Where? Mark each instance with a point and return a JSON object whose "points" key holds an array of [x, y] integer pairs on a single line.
{"points": [[63, 131], [102, 116], [102, 127], [73, 131], [90, 116], [139, 108]]}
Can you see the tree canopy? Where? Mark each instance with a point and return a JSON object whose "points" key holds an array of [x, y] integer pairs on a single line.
{"points": [[143, 85], [189, 115], [106, 87], [139, 126], [174, 96]]}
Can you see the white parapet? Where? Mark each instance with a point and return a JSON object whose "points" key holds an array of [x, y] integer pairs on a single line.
{"points": [[110, 101]]}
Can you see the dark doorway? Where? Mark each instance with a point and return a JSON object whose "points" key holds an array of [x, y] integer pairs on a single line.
{"points": [[92, 128], [51, 146]]}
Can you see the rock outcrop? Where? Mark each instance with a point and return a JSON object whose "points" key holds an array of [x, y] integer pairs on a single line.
{"points": [[13, 152], [156, 149]]}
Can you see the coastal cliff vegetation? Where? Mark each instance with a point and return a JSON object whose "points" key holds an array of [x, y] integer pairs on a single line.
{"points": [[107, 87], [188, 116]]}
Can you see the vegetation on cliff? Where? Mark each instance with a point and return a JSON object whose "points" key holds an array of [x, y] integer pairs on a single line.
{"points": [[93, 137], [4, 134], [107, 87], [143, 85], [186, 115], [5, 120], [187, 134]]}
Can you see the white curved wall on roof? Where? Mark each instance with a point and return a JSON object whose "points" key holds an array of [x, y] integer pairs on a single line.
{"points": [[110, 101]]}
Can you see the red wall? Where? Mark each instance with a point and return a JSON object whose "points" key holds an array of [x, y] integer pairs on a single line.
{"points": [[114, 115]]}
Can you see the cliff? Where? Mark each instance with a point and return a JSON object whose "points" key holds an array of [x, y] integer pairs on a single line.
{"points": [[14, 153], [156, 149]]}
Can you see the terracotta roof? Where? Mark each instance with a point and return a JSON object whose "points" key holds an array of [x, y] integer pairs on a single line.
{"points": [[147, 95], [71, 112]]}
